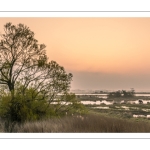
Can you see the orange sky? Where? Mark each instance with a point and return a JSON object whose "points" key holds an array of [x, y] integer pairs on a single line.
{"points": [[94, 45]]}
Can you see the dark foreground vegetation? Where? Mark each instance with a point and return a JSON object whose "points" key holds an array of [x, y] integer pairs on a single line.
{"points": [[91, 123]]}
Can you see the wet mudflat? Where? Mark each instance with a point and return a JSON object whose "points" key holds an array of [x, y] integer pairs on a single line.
{"points": [[136, 107]]}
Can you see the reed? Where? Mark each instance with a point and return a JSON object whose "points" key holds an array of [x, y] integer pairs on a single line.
{"points": [[91, 123]]}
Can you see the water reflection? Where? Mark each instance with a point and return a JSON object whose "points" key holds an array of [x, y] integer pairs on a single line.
{"points": [[137, 101], [105, 102], [112, 102], [62, 103], [138, 116], [100, 107], [147, 110], [97, 102], [125, 107]]}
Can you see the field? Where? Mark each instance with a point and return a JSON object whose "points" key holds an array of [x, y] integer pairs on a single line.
{"points": [[91, 123], [117, 117]]}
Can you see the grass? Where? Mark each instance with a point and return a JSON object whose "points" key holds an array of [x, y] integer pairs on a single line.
{"points": [[113, 120], [91, 123]]}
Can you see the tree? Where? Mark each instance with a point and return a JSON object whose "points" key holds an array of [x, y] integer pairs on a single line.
{"points": [[122, 93], [115, 94], [24, 67], [128, 93]]}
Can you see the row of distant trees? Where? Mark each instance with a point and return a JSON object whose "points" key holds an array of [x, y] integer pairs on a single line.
{"points": [[121, 93]]}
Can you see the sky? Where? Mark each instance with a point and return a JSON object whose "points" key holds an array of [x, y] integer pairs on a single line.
{"points": [[101, 53]]}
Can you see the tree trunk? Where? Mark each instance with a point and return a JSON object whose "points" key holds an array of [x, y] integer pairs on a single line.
{"points": [[11, 89]]}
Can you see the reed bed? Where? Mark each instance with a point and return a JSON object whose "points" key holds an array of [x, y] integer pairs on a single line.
{"points": [[91, 123]]}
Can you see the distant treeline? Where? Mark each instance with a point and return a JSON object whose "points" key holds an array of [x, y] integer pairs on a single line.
{"points": [[106, 92], [122, 93]]}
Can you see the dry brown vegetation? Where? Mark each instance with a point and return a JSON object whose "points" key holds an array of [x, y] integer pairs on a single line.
{"points": [[91, 123]]}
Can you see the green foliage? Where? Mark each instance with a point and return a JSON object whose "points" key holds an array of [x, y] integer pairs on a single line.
{"points": [[21, 109], [30, 83], [26, 108], [68, 103], [76, 106]]}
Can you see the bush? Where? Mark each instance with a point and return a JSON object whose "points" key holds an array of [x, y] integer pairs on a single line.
{"points": [[115, 94], [128, 93], [23, 107], [20, 109]]}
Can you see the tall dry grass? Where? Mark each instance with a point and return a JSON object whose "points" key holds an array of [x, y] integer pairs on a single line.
{"points": [[87, 124]]}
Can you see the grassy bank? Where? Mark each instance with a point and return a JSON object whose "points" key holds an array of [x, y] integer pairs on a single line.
{"points": [[115, 119], [91, 123]]}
